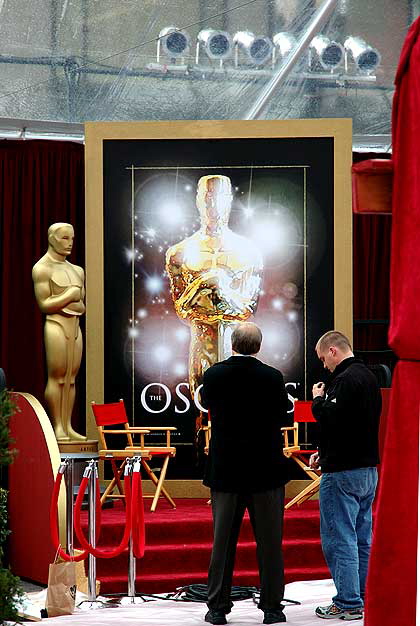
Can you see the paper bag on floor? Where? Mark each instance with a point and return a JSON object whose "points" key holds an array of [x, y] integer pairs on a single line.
{"points": [[81, 578], [61, 592]]}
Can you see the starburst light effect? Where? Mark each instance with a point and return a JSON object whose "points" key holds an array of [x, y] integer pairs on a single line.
{"points": [[154, 284]]}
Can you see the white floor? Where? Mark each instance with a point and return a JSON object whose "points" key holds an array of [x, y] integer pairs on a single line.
{"points": [[167, 613]]}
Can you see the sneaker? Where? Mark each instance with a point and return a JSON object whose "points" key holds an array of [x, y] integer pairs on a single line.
{"points": [[274, 616], [213, 616], [333, 611]]}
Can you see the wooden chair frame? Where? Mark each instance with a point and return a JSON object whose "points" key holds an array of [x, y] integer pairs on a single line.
{"points": [[146, 452], [207, 435], [293, 450]]}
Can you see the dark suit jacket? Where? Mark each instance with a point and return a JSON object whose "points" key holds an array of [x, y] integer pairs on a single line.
{"points": [[247, 401]]}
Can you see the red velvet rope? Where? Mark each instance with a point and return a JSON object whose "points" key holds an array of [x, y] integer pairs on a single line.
{"points": [[138, 530], [54, 523], [134, 520], [103, 554]]}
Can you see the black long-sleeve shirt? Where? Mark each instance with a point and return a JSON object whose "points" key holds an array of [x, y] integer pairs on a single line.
{"points": [[348, 415]]}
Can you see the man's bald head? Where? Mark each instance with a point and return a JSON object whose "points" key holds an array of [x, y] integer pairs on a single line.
{"points": [[246, 338]]}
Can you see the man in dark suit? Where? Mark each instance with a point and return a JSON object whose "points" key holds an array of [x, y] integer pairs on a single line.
{"points": [[246, 469]]}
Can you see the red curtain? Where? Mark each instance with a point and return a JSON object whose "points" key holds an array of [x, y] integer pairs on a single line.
{"points": [[391, 588], [392, 584], [41, 182], [405, 265]]}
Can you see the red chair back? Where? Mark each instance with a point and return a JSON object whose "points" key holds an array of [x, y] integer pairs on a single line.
{"points": [[303, 411], [110, 414]]}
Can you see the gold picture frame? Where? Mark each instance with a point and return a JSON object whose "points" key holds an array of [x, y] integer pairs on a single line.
{"points": [[340, 130]]}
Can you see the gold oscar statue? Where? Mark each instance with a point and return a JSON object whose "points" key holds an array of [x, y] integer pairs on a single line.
{"points": [[59, 291], [215, 278]]}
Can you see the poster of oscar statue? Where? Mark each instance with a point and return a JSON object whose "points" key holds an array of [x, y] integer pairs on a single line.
{"points": [[199, 234]]}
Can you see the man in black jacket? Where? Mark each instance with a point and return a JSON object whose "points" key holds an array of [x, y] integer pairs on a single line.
{"points": [[246, 469], [348, 410]]}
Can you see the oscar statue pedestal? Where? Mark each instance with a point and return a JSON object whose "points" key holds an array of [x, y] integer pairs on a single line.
{"points": [[31, 481]]}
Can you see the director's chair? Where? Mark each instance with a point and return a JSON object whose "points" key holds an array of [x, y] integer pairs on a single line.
{"points": [[293, 450], [114, 414]]}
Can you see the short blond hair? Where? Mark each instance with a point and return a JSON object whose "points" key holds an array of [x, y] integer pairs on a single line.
{"points": [[333, 338]]}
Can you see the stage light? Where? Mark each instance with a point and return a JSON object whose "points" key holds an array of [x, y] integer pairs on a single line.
{"points": [[217, 44], [175, 43], [330, 54], [284, 43], [364, 56], [258, 49]]}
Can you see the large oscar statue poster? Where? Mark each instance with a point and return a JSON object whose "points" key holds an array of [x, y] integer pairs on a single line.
{"points": [[199, 234]]}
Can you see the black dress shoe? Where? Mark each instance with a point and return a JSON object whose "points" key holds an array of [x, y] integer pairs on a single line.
{"points": [[274, 616], [213, 616]]}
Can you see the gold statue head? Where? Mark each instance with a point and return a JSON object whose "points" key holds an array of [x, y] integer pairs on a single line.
{"points": [[60, 238], [214, 199]]}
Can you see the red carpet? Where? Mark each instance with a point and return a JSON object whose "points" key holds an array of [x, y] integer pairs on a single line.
{"points": [[178, 544]]}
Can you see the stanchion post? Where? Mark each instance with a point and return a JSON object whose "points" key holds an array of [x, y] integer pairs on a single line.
{"points": [[131, 570], [133, 464], [69, 478], [131, 558], [92, 532], [91, 471]]}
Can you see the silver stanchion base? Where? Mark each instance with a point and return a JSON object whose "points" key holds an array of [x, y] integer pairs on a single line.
{"points": [[92, 605], [130, 600]]}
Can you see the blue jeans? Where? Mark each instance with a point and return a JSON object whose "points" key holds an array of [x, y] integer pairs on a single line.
{"points": [[345, 503]]}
